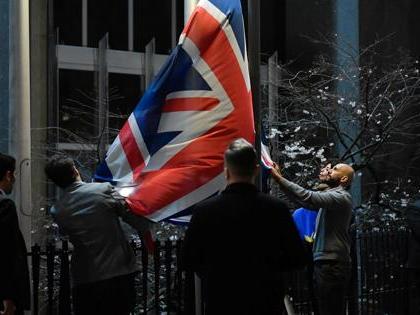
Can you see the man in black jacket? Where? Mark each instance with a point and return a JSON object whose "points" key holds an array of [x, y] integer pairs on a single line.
{"points": [[14, 274], [240, 241]]}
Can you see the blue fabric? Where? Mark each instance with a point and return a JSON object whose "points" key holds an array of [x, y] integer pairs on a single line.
{"points": [[305, 220]]}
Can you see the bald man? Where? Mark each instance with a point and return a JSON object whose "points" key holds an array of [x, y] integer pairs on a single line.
{"points": [[331, 251]]}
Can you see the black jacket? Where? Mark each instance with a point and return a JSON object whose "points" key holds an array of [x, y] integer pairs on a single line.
{"points": [[239, 243], [14, 274]]}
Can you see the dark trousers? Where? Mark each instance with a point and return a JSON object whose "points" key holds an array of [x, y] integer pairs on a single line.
{"points": [[112, 296], [331, 279]]}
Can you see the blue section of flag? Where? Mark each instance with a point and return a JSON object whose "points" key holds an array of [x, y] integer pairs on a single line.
{"points": [[233, 10], [103, 174], [305, 221]]}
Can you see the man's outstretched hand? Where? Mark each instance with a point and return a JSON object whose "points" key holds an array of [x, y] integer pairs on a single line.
{"points": [[276, 172]]}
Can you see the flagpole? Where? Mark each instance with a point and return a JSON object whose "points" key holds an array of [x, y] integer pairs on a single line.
{"points": [[254, 70]]}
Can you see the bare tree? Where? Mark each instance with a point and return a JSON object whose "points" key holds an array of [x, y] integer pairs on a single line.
{"points": [[374, 120]]}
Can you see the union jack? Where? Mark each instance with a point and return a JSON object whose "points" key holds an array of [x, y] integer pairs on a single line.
{"points": [[170, 150]]}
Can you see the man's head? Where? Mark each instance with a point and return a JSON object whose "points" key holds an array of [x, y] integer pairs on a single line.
{"points": [[240, 162], [62, 171], [7, 173], [339, 175]]}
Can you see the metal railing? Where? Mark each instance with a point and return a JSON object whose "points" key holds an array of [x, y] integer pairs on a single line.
{"points": [[160, 283], [379, 285]]}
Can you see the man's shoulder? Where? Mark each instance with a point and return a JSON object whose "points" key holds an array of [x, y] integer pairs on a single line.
{"points": [[95, 187], [6, 199], [345, 194], [218, 203], [338, 193], [269, 198], [81, 193], [208, 203], [89, 190], [6, 204]]}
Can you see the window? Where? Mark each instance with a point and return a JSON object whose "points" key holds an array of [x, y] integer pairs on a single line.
{"points": [[379, 19], [108, 16], [124, 94], [77, 106], [68, 20], [153, 19]]}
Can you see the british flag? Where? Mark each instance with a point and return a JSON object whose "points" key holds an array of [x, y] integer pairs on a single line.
{"points": [[170, 151]]}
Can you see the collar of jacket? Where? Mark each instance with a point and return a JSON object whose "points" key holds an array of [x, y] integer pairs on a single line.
{"points": [[73, 186], [339, 187], [2, 192], [241, 187]]}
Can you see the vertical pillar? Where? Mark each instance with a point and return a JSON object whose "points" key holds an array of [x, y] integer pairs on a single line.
{"points": [[84, 23], [173, 24], [130, 25], [20, 119], [4, 76], [39, 110], [52, 79], [347, 30], [103, 99], [149, 52]]}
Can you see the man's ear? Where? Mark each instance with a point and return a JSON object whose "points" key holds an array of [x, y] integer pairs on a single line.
{"points": [[227, 173], [344, 179], [76, 172], [10, 175]]}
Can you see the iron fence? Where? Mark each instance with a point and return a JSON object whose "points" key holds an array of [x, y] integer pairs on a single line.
{"points": [[379, 285]]}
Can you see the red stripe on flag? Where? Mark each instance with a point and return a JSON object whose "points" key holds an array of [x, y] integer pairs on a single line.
{"points": [[190, 104], [132, 152], [216, 50]]}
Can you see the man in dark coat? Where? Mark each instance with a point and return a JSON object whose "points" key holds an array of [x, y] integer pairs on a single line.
{"points": [[14, 274], [240, 241], [103, 263]]}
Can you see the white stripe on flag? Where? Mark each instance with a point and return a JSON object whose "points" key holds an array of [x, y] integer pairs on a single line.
{"points": [[117, 163], [190, 94], [201, 193], [139, 138]]}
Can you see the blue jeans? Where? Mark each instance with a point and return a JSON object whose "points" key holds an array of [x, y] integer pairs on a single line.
{"points": [[331, 280]]}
